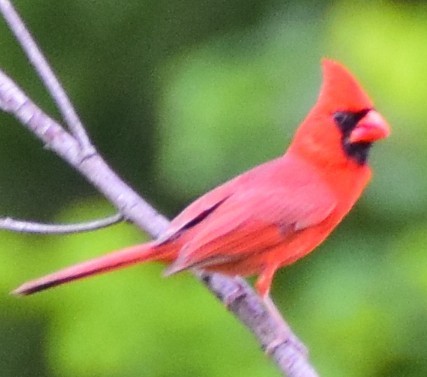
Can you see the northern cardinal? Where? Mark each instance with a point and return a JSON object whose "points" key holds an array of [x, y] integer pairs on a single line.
{"points": [[275, 213]]}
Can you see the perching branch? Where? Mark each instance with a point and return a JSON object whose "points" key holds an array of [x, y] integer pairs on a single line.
{"points": [[21, 226], [272, 332]]}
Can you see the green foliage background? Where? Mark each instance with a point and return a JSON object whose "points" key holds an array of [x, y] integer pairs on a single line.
{"points": [[179, 96]]}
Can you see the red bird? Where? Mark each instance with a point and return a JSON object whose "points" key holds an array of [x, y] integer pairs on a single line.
{"points": [[275, 213]]}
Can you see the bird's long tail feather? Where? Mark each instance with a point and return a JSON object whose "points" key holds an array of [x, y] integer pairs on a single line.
{"points": [[125, 257]]}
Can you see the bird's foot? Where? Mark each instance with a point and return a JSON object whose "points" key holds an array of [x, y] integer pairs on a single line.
{"points": [[285, 335], [230, 293], [288, 339], [238, 293]]}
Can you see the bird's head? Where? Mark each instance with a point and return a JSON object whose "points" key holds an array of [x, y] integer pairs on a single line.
{"points": [[343, 124]]}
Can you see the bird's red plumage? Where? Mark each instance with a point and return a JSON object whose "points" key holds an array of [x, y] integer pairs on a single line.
{"points": [[271, 215]]}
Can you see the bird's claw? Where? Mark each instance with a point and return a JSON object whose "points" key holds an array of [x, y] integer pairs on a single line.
{"points": [[285, 339], [233, 296]]}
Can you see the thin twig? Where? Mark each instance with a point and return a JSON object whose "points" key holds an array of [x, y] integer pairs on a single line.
{"points": [[45, 73], [247, 305], [21, 226], [14, 101]]}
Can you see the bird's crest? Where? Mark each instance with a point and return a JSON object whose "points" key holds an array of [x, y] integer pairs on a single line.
{"points": [[340, 90]]}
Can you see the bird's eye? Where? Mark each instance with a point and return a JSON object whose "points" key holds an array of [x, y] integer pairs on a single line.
{"points": [[347, 120], [339, 117]]}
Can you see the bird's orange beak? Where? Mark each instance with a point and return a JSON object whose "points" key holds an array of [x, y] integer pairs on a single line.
{"points": [[370, 128]]}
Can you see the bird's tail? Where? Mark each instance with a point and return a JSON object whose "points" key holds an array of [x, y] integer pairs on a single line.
{"points": [[112, 261]]}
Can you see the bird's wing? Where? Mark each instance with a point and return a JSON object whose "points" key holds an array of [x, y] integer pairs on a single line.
{"points": [[259, 212], [204, 206], [196, 212]]}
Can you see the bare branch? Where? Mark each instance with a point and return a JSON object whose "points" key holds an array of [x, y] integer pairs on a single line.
{"points": [[45, 72], [34, 227], [272, 331], [14, 101]]}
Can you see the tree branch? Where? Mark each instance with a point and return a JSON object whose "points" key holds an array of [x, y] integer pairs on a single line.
{"points": [[272, 332], [21, 226], [45, 72]]}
